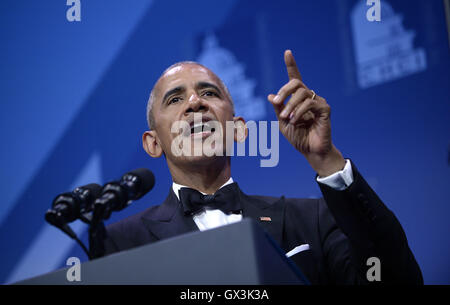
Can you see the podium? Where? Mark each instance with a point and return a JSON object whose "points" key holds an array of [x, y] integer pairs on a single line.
{"points": [[235, 254]]}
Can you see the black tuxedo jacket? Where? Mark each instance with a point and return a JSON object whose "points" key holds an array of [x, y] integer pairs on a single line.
{"points": [[343, 229]]}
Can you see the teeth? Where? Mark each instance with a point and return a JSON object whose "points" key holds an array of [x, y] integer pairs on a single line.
{"points": [[198, 127]]}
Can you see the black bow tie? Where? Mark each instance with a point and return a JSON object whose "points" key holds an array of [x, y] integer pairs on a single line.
{"points": [[226, 199]]}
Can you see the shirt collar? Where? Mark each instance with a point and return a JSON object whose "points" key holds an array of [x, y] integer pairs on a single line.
{"points": [[176, 187]]}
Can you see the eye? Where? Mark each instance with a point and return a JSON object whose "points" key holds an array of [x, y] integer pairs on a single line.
{"points": [[174, 100], [210, 93]]}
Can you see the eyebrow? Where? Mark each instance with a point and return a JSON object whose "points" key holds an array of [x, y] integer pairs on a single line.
{"points": [[199, 85], [173, 91], [203, 85]]}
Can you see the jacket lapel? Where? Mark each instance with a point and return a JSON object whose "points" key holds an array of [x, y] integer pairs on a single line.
{"points": [[268, 215], [168, 219]]}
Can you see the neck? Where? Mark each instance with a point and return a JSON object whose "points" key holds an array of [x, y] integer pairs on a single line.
{"points": [[206, 177]]}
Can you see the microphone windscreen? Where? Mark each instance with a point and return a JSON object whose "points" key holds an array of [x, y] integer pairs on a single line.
{"points": [[145, 181], [95, 190]]}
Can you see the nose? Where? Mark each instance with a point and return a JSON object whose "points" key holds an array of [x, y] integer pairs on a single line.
{"points": [[196, 104]]}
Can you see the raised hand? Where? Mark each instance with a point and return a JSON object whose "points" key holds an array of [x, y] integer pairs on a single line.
{"points": [[305, 121]]}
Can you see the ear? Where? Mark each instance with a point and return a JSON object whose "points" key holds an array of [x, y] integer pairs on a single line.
{"points": [[151, 144], [240, 129]]}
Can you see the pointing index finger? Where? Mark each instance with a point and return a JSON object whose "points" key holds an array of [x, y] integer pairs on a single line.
{"points": [[291, 65]]}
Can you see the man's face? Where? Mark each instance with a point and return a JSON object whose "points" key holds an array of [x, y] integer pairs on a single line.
{"points": [[181, 93]]}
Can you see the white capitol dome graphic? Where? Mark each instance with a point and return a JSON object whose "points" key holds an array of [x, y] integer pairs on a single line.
{"points": [[232, 73], [384, 50]]}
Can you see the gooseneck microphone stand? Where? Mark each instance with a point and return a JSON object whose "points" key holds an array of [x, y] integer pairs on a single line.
{"points": [[93, 204]]}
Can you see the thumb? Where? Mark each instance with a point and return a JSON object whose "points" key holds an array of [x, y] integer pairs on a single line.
{"points": [[276, 106]]}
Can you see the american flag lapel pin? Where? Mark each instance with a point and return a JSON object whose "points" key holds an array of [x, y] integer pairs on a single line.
{"points": [[265, 218]]}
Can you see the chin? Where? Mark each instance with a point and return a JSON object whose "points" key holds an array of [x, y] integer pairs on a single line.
{"points": [[200, 161]]}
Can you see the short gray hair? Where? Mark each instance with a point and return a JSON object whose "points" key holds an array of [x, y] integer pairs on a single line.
{"points": [[151, 99]]}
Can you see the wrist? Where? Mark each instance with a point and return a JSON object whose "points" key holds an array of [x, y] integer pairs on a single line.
{"points": [[327, 164]]}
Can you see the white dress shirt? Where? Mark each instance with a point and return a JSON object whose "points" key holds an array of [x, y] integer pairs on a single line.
{"points": [[212, 218]]}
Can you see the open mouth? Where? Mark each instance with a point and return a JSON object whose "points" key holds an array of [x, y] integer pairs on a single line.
{"points": [[201, 129]]}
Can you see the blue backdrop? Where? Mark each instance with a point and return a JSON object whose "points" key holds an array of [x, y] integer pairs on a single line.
{"points": [[73, 98]]}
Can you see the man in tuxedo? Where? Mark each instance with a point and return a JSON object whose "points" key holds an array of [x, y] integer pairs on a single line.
{"points": [[339, 232]]}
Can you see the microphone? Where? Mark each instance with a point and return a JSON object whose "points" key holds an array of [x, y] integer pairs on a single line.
{"points": [[118, 195], [70, 206]]}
